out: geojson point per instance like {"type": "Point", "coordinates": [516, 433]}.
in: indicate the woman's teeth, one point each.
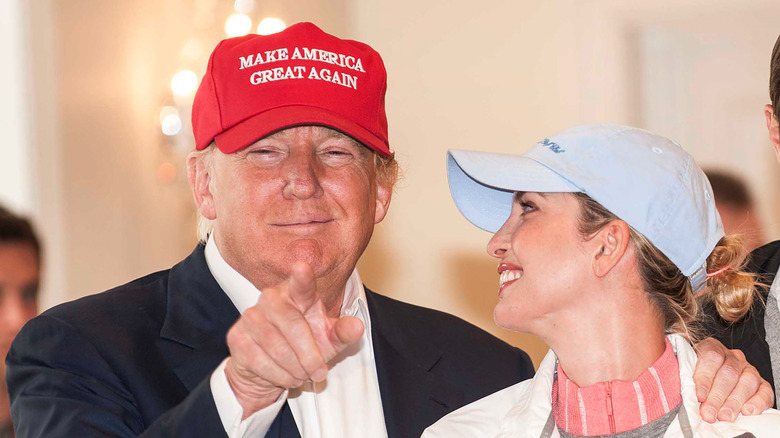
{"type": "Point", "coordinates": [507, 276]}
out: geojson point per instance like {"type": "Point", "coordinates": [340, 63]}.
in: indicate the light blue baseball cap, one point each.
{"type": "Point", "coordinates": [646, 180]}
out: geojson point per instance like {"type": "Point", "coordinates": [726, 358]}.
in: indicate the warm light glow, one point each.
{"type": "Point", "coordinates": [244, 6]}
{"type": "Point", "coordinates": [192, 50]}
{"type": "Point", "coordinates": [170, 121]}
{"type": "Point", "coordinates": [238, 25]}
{"type": "Point", "coordinates": [166, 111]}
{"type": "Point", "coordinates": [270, 25]}
{"type": "Point", "coordinates": [166, 173]}
{"type": "Point", "coordinates": [184, 83]}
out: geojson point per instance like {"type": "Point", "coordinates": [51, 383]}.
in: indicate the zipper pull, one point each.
{"type": "Point", "coordinates": [610, 413]}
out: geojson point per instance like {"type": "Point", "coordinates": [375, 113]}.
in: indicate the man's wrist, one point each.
{"type": "Point", "coordinates": [251, 396]}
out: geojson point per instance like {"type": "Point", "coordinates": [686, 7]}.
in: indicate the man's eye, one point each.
{"type": "Point", "coordinates": [265, 155]}
{"type": "Point", "coordinates": [30, 294]}
{"type": "Point", "coordinates": [338, 152]}
{"type": "Point", "coordinates": [336, 156]}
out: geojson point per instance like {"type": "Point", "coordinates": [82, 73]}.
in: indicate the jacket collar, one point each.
{"type": "Point", "coordinates": [198, 316]}
{"type": "Point", "coordinates": [413, 392]}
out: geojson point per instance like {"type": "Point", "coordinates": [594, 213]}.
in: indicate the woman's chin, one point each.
{"type": "Point", "coordinates": [510, 319]}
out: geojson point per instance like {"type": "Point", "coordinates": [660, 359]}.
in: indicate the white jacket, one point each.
{"type": "Point", "coordinates": [522, 410]}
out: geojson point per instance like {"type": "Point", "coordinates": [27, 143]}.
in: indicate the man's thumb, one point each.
{"type": "Point", "coordinates": [346, 331]}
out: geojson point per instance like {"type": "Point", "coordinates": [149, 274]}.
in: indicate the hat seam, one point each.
{"type": "Point", "coordinates": [216, 91]}
{"type": "Point", "coordinates": [663, 220]}
{"type": "Point", "coordinates": [302, 124]}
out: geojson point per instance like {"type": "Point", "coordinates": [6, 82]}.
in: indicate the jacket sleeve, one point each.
{"type": "Point", "coordinates": [61, 386]}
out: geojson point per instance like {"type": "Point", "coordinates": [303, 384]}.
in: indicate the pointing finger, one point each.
{"type": "Point", "coordinates": [302, 285]}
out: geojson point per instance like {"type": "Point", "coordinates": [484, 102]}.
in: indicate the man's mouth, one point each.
{"type": "Point", "coordinates": [302, 220]}
{"type": "Point", "coordinates": [302, 223]}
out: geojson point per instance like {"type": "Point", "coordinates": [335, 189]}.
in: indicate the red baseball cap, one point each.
{"type": "Point", "coordinates": [256, 85]}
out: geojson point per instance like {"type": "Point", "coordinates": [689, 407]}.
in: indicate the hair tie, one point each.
{"type": "Point", "coordinates": [712, 274]}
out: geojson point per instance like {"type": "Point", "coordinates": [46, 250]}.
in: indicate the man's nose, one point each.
{"type": "Point", "coordinates": [15, 312]}
{"type": "Point", "coordinates": [302, 176]}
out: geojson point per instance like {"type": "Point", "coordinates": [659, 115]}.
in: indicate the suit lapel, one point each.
{"type": "Point", "coordinates": [197, 318]}
{"type": "Point", "coordinates": [413, 395]}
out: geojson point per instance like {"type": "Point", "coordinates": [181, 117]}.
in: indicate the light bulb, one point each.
{"type": "Point", "coordinates": [270, 25]}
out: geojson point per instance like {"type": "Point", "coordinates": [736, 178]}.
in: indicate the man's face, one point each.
{"type": "Point", "coordinates": [307, 193]}
{"type": "Point", "coordinates": [19, 274]}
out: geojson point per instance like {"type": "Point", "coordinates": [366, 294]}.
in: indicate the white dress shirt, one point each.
{"type": "Point", "coordinates": [347, 404]}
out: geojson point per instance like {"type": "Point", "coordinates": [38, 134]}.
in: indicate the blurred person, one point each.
{"type": "Point", "coordinates": [20, 265]}
{"type": "Point", "coordinates": [266, 328]}
{"type": "Point", "coordinates": [736, 207]}
{"type": "Point", "coordinates": [758, 333]}
{"type": "Point", "coordinates": [604, 235]}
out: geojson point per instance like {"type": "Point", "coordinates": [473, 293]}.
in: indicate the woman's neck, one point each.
{"type": "Point", "coordinates": [614, 339]}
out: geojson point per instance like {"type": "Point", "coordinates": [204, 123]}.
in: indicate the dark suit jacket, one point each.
{"type": "Point", "coordinates": [749, 334]}
{"type": "Point", "coordinates": [136, 361]}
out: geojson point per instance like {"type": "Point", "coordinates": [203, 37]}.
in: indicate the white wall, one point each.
{"type": "Point", "coordinates": [16, 182]}
{"type": "Point", "coordinates": [501, 75]}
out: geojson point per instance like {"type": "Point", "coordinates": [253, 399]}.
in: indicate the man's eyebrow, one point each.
{"type": "Point", "coordinates": [517, 197]}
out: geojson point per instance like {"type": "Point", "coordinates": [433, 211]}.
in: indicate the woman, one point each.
{"type": "Point", "coordinates": [611, 234]}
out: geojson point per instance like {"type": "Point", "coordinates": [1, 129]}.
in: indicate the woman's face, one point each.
{"type": "Point", "coordinates": [543, 262]}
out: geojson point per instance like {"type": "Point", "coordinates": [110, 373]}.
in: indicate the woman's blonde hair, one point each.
{"type": "Point", "coordinates": [732, 291]}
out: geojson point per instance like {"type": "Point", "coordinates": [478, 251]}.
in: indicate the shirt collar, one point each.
{"type": "Point", "coordinates": [529, 417]}
{"type": "Point", "coordinates": [244, 294]}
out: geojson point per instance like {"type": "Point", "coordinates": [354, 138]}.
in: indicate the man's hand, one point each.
{"type": "Point", "coordinates": [726, 384]}
{"type": "Point", "coordinates": [284, 340]}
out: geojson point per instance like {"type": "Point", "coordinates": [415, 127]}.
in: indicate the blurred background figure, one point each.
{"type": "Point", "coordinates": [736, 207]}
{"type": "Point", "coordinates": [20, 263]}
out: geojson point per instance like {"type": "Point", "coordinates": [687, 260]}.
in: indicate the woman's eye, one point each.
{"type": "Point", "coordinates": [527, 207]}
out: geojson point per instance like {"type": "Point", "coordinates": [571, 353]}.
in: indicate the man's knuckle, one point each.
{"type": "Point", "coordinates": [729, 372]}
{"type": "Point", "coordinates": [739, 355]}
{"type": "Point", "coordinates": [712, 357]}
{"type": "Point", "coordinates": [280, 351]}
{"type": "Point", "coordinates": [750, 380]}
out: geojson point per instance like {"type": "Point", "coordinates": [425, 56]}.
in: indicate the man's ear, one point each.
{"type": "Point", "coordinates": [200, 182]}
{"type": "Point", "coordinates": [774, 129]}
{"type": "Point", "coordinates": [611, 244]}
{"type": "Point", "coordinates": [383, 196]}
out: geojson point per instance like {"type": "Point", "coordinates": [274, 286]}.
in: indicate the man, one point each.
{"type": "Point", "coordinates": [292, 171]}
{"type": "Point", "coordinates": [736, 207]}
{"type": "Point", "coordinates": [20, 265]}
{"type": "Point", "coordinates": [758, 334]}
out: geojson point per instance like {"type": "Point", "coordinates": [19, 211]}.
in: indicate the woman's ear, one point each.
{"type": "Point", "coordinates": [612, 242]}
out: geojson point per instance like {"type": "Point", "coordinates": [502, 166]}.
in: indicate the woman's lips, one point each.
{"type": "Point", "coordinates": [508, 274]}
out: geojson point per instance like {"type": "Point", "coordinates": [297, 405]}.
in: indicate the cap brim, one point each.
{"type": "Point", "coordinates": [268, 122]}
{"type": "Point", "coordinates": [482, 184]}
